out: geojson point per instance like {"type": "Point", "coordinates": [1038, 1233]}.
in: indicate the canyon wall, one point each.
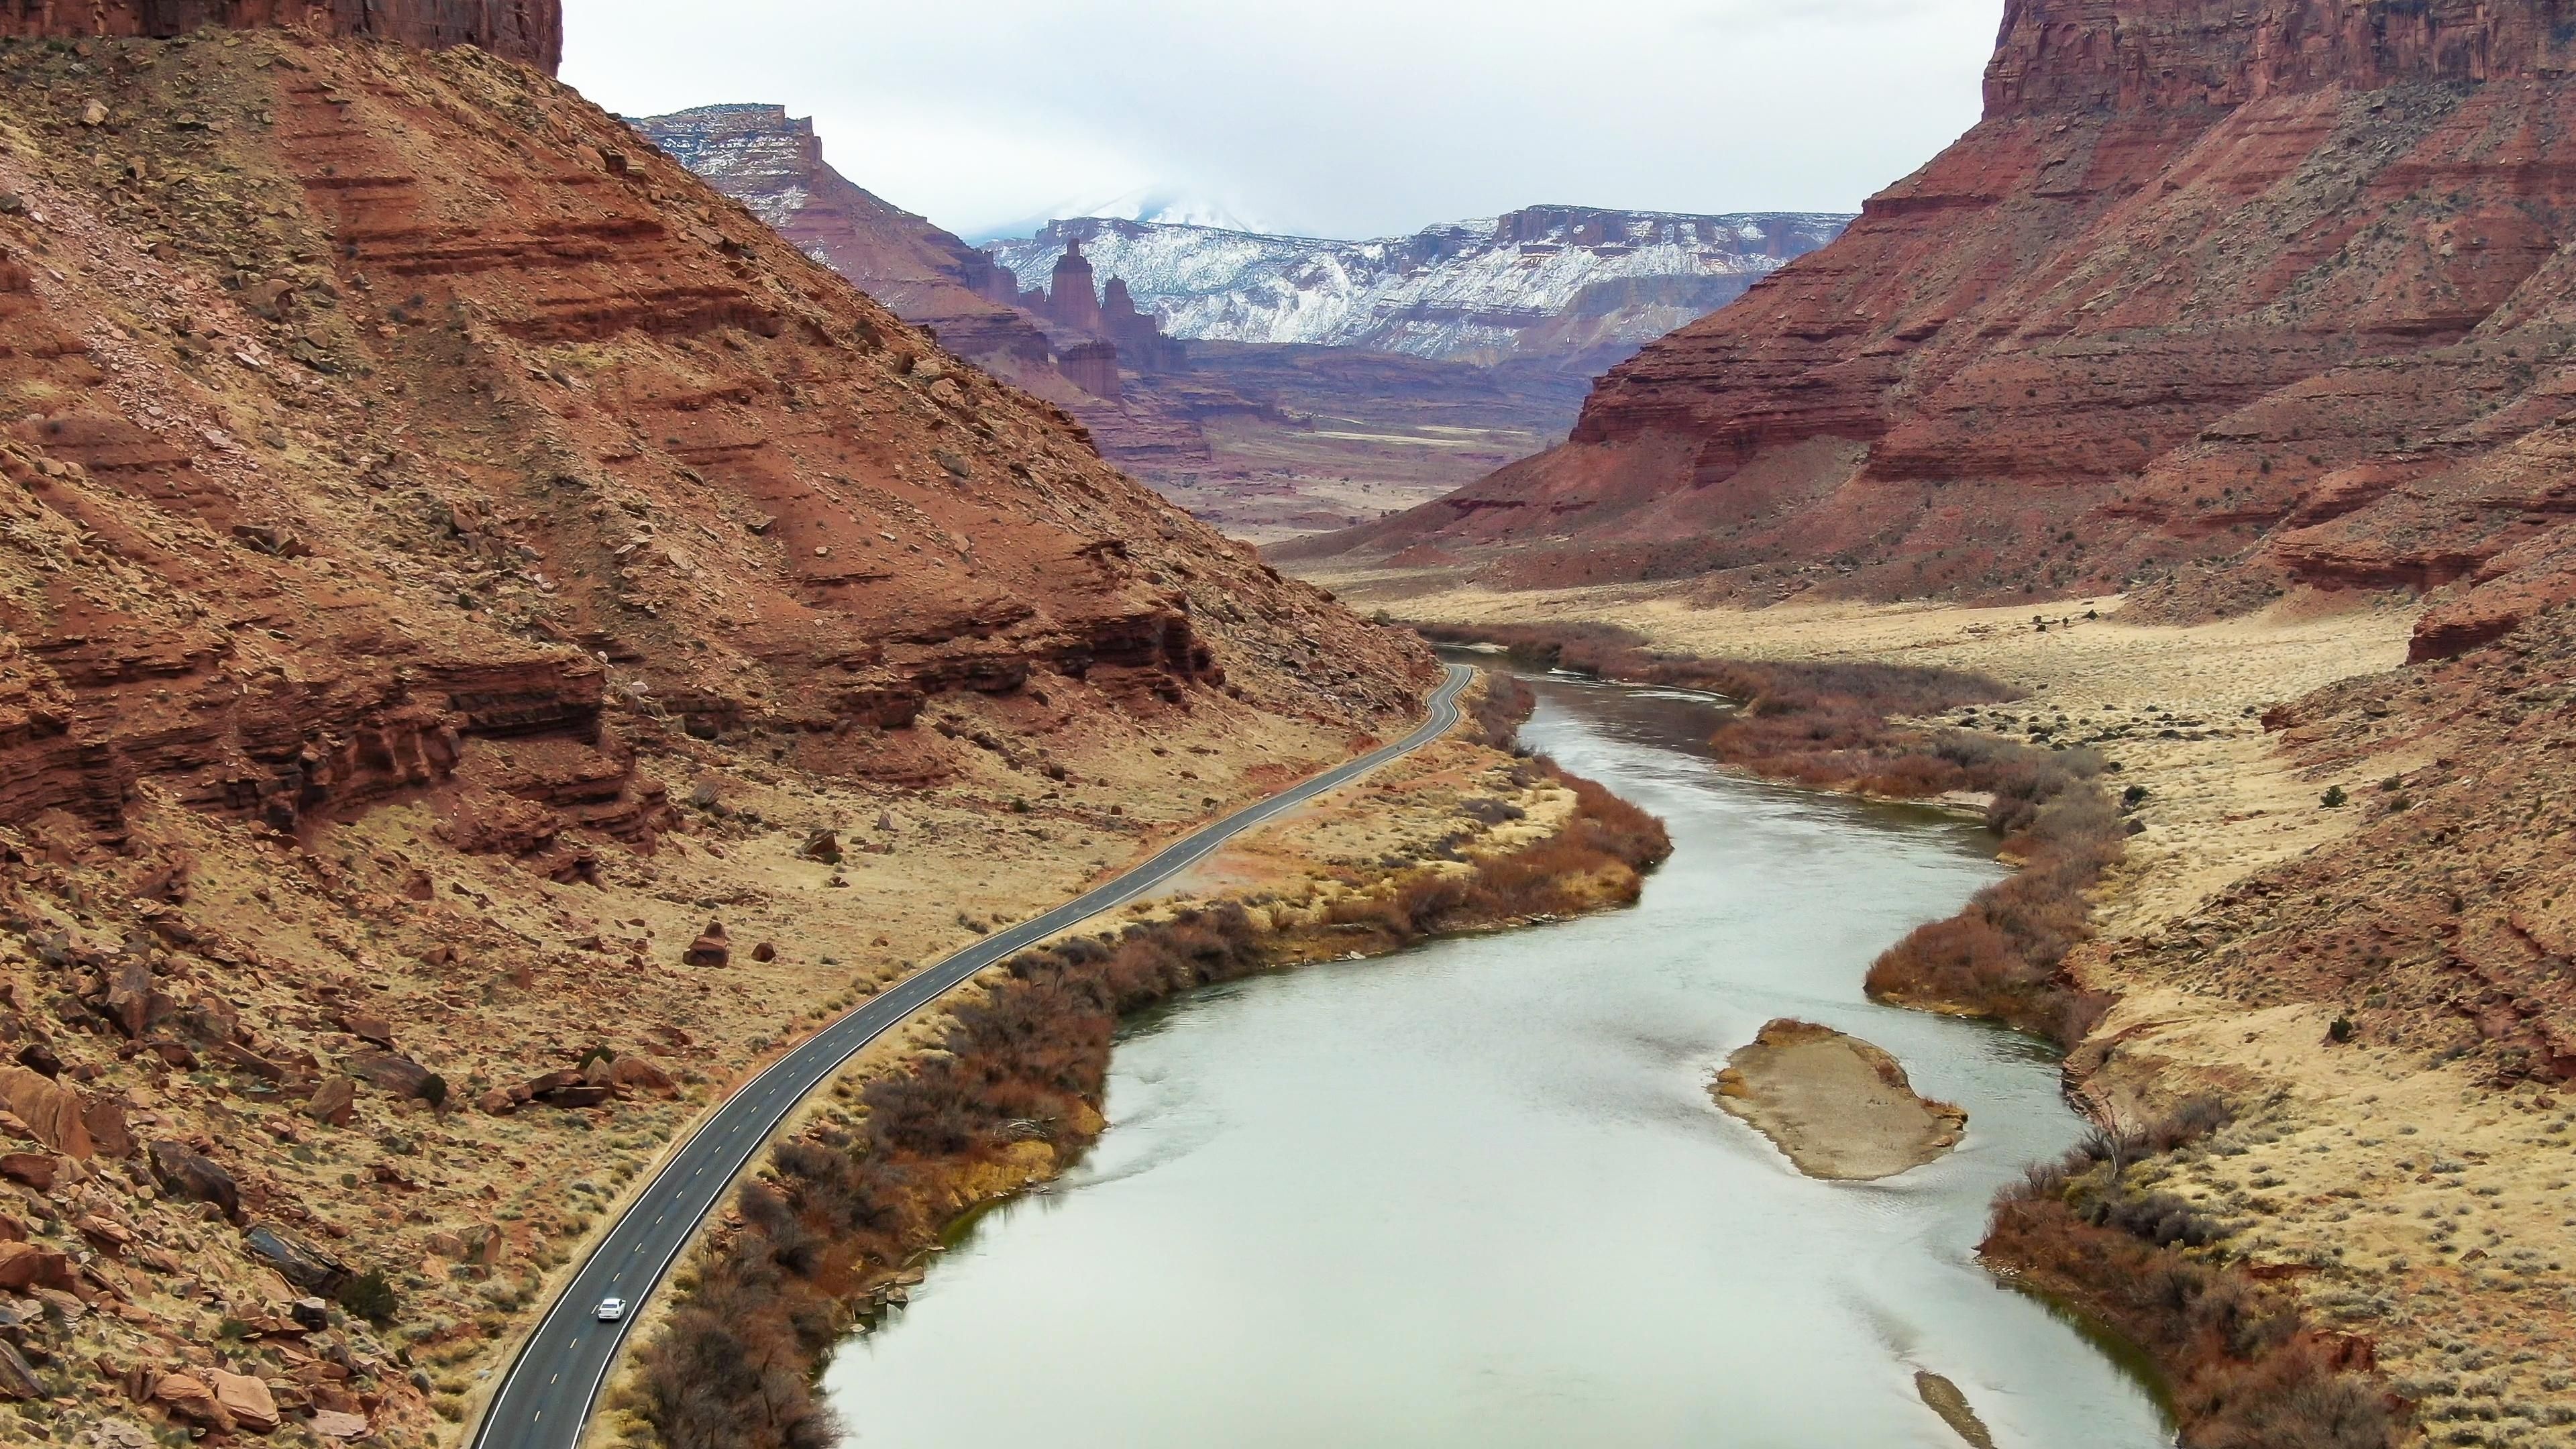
{"type": "Point", "coordinates": [454, 565]}
{"type": "Point", "coordinates": [527, 31]}
{"type": "Point", "coordinates": [406, 433]}
{"type": "Point", "coordinates": [1063, 343]}
{"type": "Point", "coordinates": [2065, 55]}
{"type": "Point", "coordinates": [773, 163]}
{"type": "Point", "coordinates": [2217, 301]}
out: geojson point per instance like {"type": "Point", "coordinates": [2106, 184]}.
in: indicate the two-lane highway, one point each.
{"type": "Point", "coordinates": [548, 1395]}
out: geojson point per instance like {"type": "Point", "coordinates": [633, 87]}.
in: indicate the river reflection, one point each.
{"type": "Point", "coordinates": [1476, 1194]}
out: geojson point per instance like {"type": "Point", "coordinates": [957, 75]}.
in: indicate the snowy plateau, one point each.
{"type": "Point", "coordinates": [1553, 282]}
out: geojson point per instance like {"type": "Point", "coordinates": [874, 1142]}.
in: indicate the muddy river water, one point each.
{"type": "Point", "coordinates": [1476, 1195]}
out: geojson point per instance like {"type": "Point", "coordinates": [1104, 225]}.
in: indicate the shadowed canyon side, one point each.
{"type": "Point", "coordinates": [2217, 300]}
{"type": "Point", "coordinates": [495, 642]}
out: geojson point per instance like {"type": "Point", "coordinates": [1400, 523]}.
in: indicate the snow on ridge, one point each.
{"type": "Point", "coordinates": [1466, 289]}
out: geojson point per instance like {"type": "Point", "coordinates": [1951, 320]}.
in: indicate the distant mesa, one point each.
{"type": "Point", "coordinates": [773, 164]}
{"type": "Point", "coordinates": [1580, 286]}
{"type": "Point", "coordinates": [1241, 397]}
{"type": "Point", "coordinates": [1093, 367]}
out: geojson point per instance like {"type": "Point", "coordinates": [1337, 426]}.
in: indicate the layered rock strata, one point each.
{"type": "Point", "coordinates": [452, 558]}
{"type": "Point", "coordinates": [2217, 300]}
{"type": "Point", "coordinates": [527, 31]}
{"type": "Point", "coordinates": [357, 432]}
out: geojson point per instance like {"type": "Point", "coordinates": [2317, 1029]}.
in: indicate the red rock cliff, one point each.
{"type": "Point", "coordinates": [2058, 55]}
{"type": "Point", "coordinates": [355, 436]}
{"type": "Point", "coordinates": [773, 163]}
{"type": "Point", "coordinates": [2218, 300]}
{"type": "Point", "coordinates": [527, 31]}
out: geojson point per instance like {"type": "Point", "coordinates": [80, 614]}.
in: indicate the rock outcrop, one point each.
{"type": "Point", "coordinates": [1067, 344]}
{"type": "Point", "coordinates": [773, 163]}
{"type": "Point", "coordinates": [450, 555]}
{"type": "Point", "coordinates": [2217, 300]}
{"type": "Point", "coordinates": [1073, 292]}
{"type": "Point", "coordinates": [527, 31]}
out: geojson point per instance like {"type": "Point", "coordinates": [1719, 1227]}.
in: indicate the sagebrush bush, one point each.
{"type": "Point", "coordinates": [2246, 1373]}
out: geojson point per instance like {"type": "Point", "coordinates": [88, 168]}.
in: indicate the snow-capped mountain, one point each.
{"type": "Point", "coordinates": [1156, 204]}
{"type": "Point", "coordinates": [1546, 282]}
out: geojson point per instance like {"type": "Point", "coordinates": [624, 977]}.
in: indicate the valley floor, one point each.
{"type": "Point", "coordinates": [2415, 1197]}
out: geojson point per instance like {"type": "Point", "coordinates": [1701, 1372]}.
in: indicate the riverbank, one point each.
{"type": "Point", "coordinates": [2177, 717]}
{"type": "Point", "coordinates": [1347, 1204]}
{"type": "Point", "coordinates": [1858, 728]}
{"type": "Point", "coordinates": [1002, 1090]}
{"type": "Point", "coordinates": [2376, 976]}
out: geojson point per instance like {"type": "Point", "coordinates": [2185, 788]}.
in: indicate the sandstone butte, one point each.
{"type": "Point", "coordinates": [453, 558]}
{"type": "Point", "coordinates": [2218, 299]}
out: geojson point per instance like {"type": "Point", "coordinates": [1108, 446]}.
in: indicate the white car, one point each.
{"type": "Point", "coordinates": [611, 1309]}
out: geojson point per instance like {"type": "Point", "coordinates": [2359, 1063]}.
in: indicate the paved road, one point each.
{"type": "Point", "coordinates": [547, 1397]}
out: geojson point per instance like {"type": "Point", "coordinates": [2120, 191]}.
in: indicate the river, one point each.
{"type": "Point", "coordinates": [1475, 1194]}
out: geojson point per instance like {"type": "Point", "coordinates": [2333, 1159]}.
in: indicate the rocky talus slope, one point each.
{"type": "Point", "coordinates": [2218, 298]}
{"type": "Point", "coordinates": [2398, 997]}
{"type": "Point", "coordinates": [493, 640]}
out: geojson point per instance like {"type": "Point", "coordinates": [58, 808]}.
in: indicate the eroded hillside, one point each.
{"type": "Point", "coordinates": [492, 642]}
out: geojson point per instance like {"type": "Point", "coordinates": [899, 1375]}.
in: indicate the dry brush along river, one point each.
{"type": "Point", "coordinates": [1476, 1194]}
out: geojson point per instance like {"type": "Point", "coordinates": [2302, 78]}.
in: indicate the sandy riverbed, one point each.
{"type": "Point", "coordinates": [1841, 1108]}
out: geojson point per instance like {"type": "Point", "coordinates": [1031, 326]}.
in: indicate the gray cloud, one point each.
{"type": "Point", "coordinates": [1334, 117]}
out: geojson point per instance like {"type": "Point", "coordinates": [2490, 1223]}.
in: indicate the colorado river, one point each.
{"type": "Point", "coordinates": [1476, 1194]}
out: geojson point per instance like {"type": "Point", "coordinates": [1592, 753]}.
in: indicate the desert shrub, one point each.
{"type": "Point", "coordinates": [370, 1295]}
{"type": "Point", "coordinates": [1503, 708]}
{"type": "Point", "coordinates": [2247, 1374]}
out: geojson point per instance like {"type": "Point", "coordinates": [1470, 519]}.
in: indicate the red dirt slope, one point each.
{"type": "Point", "coordinates": [493, 642]}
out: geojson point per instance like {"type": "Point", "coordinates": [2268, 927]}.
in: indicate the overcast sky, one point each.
{"type": "Point", "coordinates": [1348, 118]}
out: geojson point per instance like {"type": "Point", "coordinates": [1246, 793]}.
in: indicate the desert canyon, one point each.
{"type": "Point", "coordinates": [518, 618]}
